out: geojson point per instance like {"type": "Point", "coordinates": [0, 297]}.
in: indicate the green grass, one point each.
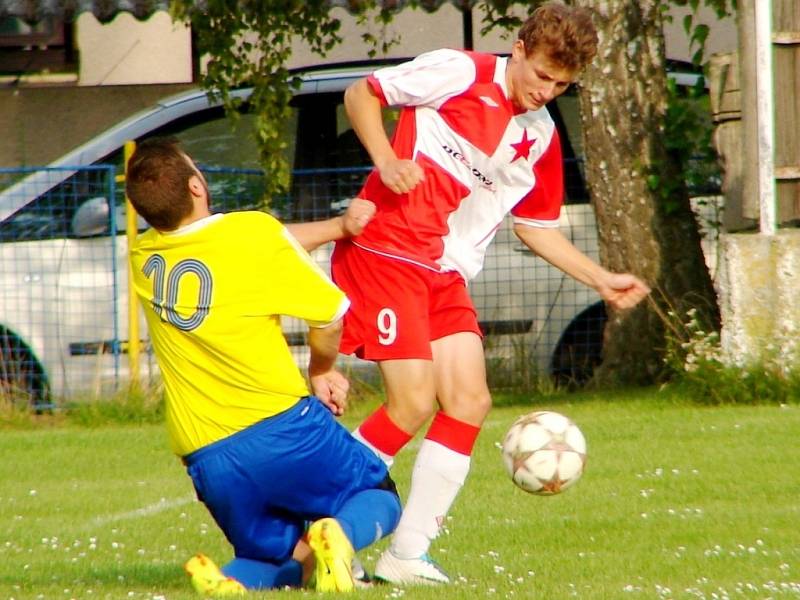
{"type": "Point", "coordinates": [678, 501]}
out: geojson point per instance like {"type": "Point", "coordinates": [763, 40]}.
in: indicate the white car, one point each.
{"type": "Point", "coordinates": [63, 282]}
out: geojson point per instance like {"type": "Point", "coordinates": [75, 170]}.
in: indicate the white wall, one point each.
{"type": "Point", "coordinates": [722, 36]}
{"type": "Point", "coordinates": [128, 51]}
{"type": "Point", "coordinates": [421, 31]}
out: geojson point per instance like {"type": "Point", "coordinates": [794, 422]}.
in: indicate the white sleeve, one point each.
{"type": "Point", "coordinates": [429, 80]}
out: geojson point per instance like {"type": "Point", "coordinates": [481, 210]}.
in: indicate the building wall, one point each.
{"type": "Point", "coordinates": [420, 30]}
{"type": "Point", "coordinates": [130, 52]}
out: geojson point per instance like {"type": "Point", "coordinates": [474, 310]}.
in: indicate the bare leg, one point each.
{"type": "Point", "coordinates": [443, 461]}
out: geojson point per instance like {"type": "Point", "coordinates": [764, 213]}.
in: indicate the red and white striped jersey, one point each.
{"type": "Point", "coordinates": [482, 158]}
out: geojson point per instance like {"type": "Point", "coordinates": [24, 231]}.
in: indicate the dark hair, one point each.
{"type": "Point", "coordinates": [565, 34]}
{"type": "Point", "coordinates": [157, 182]}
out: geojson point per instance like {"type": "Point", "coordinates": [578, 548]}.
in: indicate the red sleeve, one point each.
{"type": "Point", "coordinates": [373, 82]}
{"type": "Point", "coordinates": [543, 202]}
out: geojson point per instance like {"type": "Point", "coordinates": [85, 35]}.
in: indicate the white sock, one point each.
{"type": "Point", "coordinates": [438, 475]}
{"type": "Point", "coordinates": [386, 458]}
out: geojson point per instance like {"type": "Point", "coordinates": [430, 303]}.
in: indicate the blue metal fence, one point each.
{"type": "Point", "coordinates": [63, 282]}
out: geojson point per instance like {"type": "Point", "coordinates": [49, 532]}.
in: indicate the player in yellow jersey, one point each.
{"type": "Point", "coordinates": [265, 456]}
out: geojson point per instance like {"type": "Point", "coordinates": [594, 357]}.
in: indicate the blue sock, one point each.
{"type": "Point", "coordinates": [260, 575]}
{"type": "Point", "coordinates": [368, 516]}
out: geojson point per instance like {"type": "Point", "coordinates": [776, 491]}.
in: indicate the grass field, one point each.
{"type": "Point", "coordinates": [678, 501]}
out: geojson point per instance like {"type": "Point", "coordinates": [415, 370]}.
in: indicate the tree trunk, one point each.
{"type": "Point", "coordinates": [623, 99]}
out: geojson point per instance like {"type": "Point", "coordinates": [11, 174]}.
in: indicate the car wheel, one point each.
{"type": "Point", "coordinates": [22, 379]}
{"type": "Point", "coordinates": [580, 348]}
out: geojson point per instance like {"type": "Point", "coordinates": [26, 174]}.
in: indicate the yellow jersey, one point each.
{"type": "Point", "coordinates": [212, 294]}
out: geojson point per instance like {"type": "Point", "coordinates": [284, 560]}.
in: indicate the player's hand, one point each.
{"type": "Point", "coordinates": [401, 175]}
{"type": "Point", "coordinates": [331, 388]}
{"type": "Point", "coordinates": [623, 290]}
{"type": "Point", "coordinates": [359, 213]}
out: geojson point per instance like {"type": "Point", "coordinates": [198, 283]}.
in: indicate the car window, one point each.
{"type": "Point", "coordinates": [50, 215]}
{"type": "Point", "coordinates": [565, 112]}
{"type": "Point", "coordinates": [328, 162]}
{"type": "Point", "coordinates": [568, 108]}
{"type": "Point", "coordinates": [225, 150]}
{"type": "Point", "coordinates": [213, 139]}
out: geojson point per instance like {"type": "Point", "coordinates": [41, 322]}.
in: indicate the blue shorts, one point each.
{"type": "Point", "coordinates": [263, 483]}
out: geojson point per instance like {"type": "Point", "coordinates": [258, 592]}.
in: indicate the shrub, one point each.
{"type": "Point", "coordinates": [700, 370]}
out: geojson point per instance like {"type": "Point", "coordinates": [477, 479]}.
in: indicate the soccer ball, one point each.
{"type": "Point", "coordinates": [544, 452]}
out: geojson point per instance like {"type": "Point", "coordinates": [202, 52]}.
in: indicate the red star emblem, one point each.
{"type": "Point", "coordinates": [523, 147]}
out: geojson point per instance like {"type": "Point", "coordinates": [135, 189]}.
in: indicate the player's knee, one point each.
{"type": "Point", "coordinates": [418, 413]}
{"type": "Point", "coordinates": [410, 413]}
{"type": "Point", "coordinates": [483, 404]}
{"type": "Point", "coordinates": [470, 407]}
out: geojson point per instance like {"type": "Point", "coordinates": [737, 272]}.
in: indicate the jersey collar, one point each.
{"type": "Point", "coordinates": [500, 74]}
{"type": "Point", "coordinates": [195, 226]}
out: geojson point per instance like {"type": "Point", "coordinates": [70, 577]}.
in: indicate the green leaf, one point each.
{"type": "Point", "coordinates": [700, 34]}
{"type": "Point", "coordinates": [687, 24]}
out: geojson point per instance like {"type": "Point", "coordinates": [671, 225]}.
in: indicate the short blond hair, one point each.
{"type": "Point", "coordinates": [565, 34]}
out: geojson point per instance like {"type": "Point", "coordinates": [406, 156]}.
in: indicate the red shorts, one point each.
{"type": "Point", "coordinates": [398, 308]}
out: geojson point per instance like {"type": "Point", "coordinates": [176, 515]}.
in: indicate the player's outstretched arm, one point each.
{"type": "Point", "coordinates": [327, 383]}
{"type": "Point", "coordinates": [315, 233]}
{"type": "Point", "coordinates": [620, 290]}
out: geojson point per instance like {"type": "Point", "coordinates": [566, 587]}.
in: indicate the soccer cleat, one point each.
{"type": "Point", "coordinates": [404, 571]}
{"type": "Point", "coordinates": [208, 580]}
{"type": "Point", "coordinates": [334, 556]}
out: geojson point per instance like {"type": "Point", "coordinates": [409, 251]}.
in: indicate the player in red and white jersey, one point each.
{"type": "Point", "coordinates": [481, 157]}
{"type": "Point", "coordinates": [474, 142]}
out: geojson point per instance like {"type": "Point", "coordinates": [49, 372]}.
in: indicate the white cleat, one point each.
{"type": "Point", "coordinates": [405, 571]}
{"type": "Point", "coordinates": [360, 576]}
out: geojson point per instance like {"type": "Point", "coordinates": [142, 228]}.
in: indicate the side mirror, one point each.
{"type": "Point", "coordinates": [91, 218]}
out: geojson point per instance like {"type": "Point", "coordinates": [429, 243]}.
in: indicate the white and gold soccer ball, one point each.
{"type": "Point", "coordinates": [544, 452]}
